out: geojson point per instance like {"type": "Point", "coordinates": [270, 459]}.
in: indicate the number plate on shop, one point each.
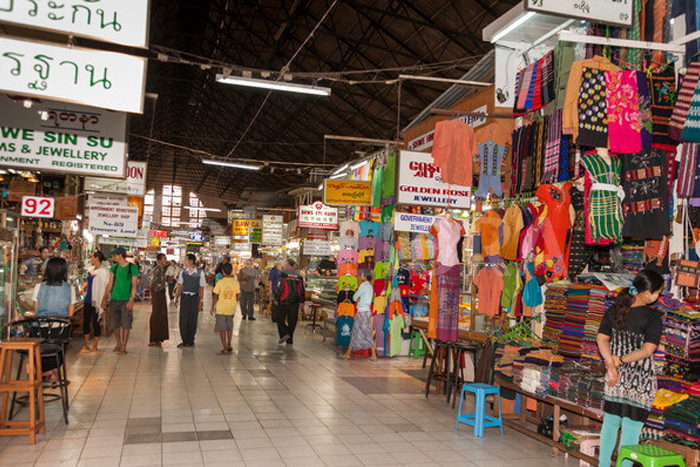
{"type": "Point", "coordinates": [33, 206]}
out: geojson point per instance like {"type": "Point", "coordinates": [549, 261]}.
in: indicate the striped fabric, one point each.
{"type": "Point", "coordinates": [604, 208]}
{"type": "Point", "coordinates": [680, 111]}
{"type": "Point", "coordinates": [691, 129]}
{"type": "Point", "coordinates": [552, 149]}
{"type": "Point", "coordinates": [687, 170]}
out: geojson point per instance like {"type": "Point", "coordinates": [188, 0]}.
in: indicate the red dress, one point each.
{"type": "Point", "coordinates": [557, 229]}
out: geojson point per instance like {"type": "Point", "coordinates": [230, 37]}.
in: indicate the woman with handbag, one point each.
{"type": "Point", "coordinates": [94, 290]}
{"type": "Point", "coordinates": [627, 339]}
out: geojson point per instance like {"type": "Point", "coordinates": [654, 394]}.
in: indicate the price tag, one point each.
{"type": "Point", "coordinates": [33, 206]}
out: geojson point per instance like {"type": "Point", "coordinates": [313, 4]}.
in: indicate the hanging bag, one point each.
{"type": "Point", "coordinates": [687, 271]}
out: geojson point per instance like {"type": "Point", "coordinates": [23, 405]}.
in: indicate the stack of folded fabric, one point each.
{"type": "Point", "coordinates": [682, 420]}
{"type": "Point", "coordinates": [632, 256]}
{"type": "Point", "coordinates": [555, 312]}
{"type": "Point", "coordinates": [682, 339]}
{"type": "Point", "coordinates": [571, 340]}
{"type": "Point", "coordinates": [654, 426]}
{"type": "Point", "coordinates": [504, 357]}
{"type": "Point", "coordinates": [596, 309]}
{"type": "Point", "coordinates": [582, 385]}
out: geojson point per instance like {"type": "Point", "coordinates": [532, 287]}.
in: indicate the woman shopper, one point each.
{"type": "Point", "coordinates": [362, 337]}
{"type": "Point", "coordinates": [158, 323]}
{"type": "Point", "coordinates": [627, 339]}
{"type": "Point", "coordinates": [54, 297]}
{"type": "Point", "coordinates": [94, 289]}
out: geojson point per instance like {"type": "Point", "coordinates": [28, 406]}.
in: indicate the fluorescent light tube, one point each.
{"type": "Point", "coordinates": [273, 85]}
{"type": "Point", "coordinates": [512, 26]}
{"type": "Point", "coordinates": [194, 208]}
{"type": "Point", "coordinates": [342, 169]}
{"type": "Point", "coordinates": [234, 165]}
{"type": "Point", "coordinates": [341, 175]}
{"type": "Point", "coordinates": [358, 165]}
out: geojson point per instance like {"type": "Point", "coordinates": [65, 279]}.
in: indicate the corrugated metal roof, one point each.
{"type": "Point", "coordinates": [482, 71]}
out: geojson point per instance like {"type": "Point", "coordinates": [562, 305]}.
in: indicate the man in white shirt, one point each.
{"type": "Point", "coordinates": [190, 286]}
{"type": "Point", "coordinates": [171, 276]}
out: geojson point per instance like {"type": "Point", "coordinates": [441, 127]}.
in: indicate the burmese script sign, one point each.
{"type": "Point", "coordinates": [119, 21]}
{"type": "Point", "coordinates": [317, 216]}
{"type": "Point", "coordinates": [120, 221]}
{"type": "Point", "coordinates": [273, 227]}
{"type": "Point", "coordinates": [420, 184]}
{"type": "Point", "coordinates": [241, 227]}
{"type": "Point", "coordinates": [347, 192]}
{"type": "Point", "coordinates": [107, 80]}
{"type": "Point", "coordinates": [59, 137]}
{"type": "Point", "coordinates": [617, 12]}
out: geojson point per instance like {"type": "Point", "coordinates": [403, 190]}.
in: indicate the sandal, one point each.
{"type": "Point", "coordinates": [372, 359]}
{"type": "Point", "coordinates": [224, 352]}
{"type": "Point", "coordinates": [121, 352]}
{"type": "Point", "coordinates": [230, 349]}
{"type": "Point", "coordinates": [343, 357]}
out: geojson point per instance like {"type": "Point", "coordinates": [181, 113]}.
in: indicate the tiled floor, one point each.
{"type": "Point", "coordinates": [265, 405]}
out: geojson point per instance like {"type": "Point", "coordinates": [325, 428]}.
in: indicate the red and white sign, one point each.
{"type": "Point", "coordinates": [33, 206]}
{"type": "Point", "coordinates": [318, 216]}
{"type": "Point", "coordinates": [159, 233]}
{"type": "Point", "coordinates": [420, 184]}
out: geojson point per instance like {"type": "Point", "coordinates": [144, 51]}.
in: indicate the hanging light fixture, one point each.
{"type": "Point", "coordinates": [233, 165]}
{"type": "Point", "coordinates": [273, 85]}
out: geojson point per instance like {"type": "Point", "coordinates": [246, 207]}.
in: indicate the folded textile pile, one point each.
{"type": "Point", "coordinates": [555, 312]}
{"type": "Point", "coordinates": [504, 357]}
{"type": "Point", "coordinates": [682, 345]}
{"type": "Point", "coordinates": [582, 385]}
{"type": "Point", "coordinates": [632, 256]}
{"type": "Point", "coordinates": [655, 424]}
{"type": "Point", "coordinates": [600, 301]}
{"type": "Point", "coordinates": [577, 303]}
{"type": "Point", "coordinates": [682, 420]}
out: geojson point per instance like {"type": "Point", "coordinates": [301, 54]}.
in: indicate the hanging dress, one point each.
{"type": "Point", "coordinates": [579, 253]}
{"type": "Point", "coordinates": [447, 275]}
{"type": "Point", "coordinates": [646, 202]}
{"type": "Point", "coordinates": [557, 230]}
{"type": "Point", "coordinates": [592, 109]}
{"type": "Point", "coordinates": [604, 203]}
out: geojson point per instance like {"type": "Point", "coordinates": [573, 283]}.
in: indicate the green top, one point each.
{"type": "Point", "coordinates": [390, 177]}
{"type": "Point", "coordinates": [377, 186]}
{"type": "Point", "coordinates": [122, 280]}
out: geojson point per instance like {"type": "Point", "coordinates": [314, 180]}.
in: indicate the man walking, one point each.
{"type": "Point", "coordinates": [191, 285]}
{"type": "Point", "coordinates": [247, 279]}
{"type": "Point", "coordinates": [121, 288]}
{"type": "Point", "coordinates": [171, 275]}
{"type": "Point", "coordinates": [290, 295]}
{"type": "Point", "coordinates": [273, 280]}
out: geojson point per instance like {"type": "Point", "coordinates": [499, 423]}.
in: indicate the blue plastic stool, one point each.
{"type": "Point", "coordinates": [479, 420]}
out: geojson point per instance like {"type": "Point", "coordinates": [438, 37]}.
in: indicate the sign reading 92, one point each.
{"type": "Point", "coordinates": [34, 206]}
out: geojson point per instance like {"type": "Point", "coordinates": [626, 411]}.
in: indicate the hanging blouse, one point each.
{"type": "Point", "coordinates": [454, 146]}
{"type": "Point", "coordinates": [624, 119]}
{"type": "Point", "coordinates": [645, 206]}
{"type": "Point", "coordinates": [448, 233]}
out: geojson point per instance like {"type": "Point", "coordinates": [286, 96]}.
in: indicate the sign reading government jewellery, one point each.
{"type": "Point", "coordinates": [420, 184]}
{"type": "Point", "coordinates": [134, 185]}
{"type": "Point", "coordinates": [618, 12]}
{"type": "Point", "coordinates": [107, 80]}
{"type": "Point", "coordinates": [119, 21]}
{"type": "Point", "coordinates": [60, 137]}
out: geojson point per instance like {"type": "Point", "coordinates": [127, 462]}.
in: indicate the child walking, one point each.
{"type": "Point", "coordinates": [226, 295]}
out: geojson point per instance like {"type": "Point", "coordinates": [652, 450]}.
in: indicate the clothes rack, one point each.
{"type": "Point", "coordinates": [436, 111]}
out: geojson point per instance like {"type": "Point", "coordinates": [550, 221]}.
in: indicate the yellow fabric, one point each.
{"type": "Point", "coordinates": [379, 305]}
{"type": "Point", "coordinates": [573, 86]}
{"type": "Point", "coordinates": [227, 289]}
{"type": "Point", "coordinates": [666, 398]}
{"type": "Point", "coordinates": [346, 309]}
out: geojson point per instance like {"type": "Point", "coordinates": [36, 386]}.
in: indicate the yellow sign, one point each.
{"type": "Point", "coordinates": [347, 192]}
{"type": "Point", "coordinates": [240, 227]}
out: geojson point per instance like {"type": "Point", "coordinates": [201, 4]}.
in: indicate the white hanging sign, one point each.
{"type": "Point", "coordinates": [118, 221]}
{"type": "Point", "coordinates": [106, 201]}
{"type": "Point", "coordinates": [617, 12]}
{"type": "Point", "coordinates": [420, 184]}
{"type": "Point", "coordinates": [134, 185]}
{"type": "Point", "coordinates": [415, 223]}
{"type": "Point", "coordinates": [118, 21]}
{"type": "Point", "coordinates": [108, 80]}
{"type": "Point", "coordinates": [317, 248]}
{"type": "Point", "coordinates": [57, 137]}
{"type": "Point", "coordinates": [272, 230]}
{"type": "Point", "coordinates": [318, 216]}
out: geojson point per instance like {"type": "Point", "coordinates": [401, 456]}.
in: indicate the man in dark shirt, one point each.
{"type": "Point", "coordinates": [248, 278]}
{"type": "Point", "coordinates": [289, 298]}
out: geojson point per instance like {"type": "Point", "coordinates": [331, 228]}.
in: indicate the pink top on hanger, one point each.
{"type": "Point", "coordinates": [448, 234]}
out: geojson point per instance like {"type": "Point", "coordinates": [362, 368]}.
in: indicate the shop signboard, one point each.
{"type": "Point", "coordinates": [159, 233]}
{"type": "Point", "coordinates": [133, 185]}
{"type": "Point", "coordinates": [347, 192]}
{"type": "Point", "coordinates": [58, 137]}
{"type": "Point", "coordinates": [122, 22]}
{"type": "Point", "coordinates": [317, 216]}
{"type": "Point", "coordinates": [35, 206]}
{"type": "Point", "coordinates": [107, 80]}
{"type": "Point", "coordinates": [106, 201]}
{"type": "Point", "coordinates": [420, 184]}
{"type": "Point", "coordinates": [425, 141]}
{"type": "Point", "coordinates": [121, 221]}
{"type": "Point", "coordinates": [241, 227]}
{"type": "Point", "coordinates": [222, 240]}
{"type": "Point", "coordinates": [193, 247]}
{"type": "Point", "coordinates": [317, 248]}
{"type": "Point", "coordinates": [415, 223]}
{"type": "Point", "coordinates": [127, 242]}
{"type": "Point", "coordinates": [243, 246]}
{"type": "Point", "coordinates": [155, 242]}
{"type": "Point", "coordinates": [616, 12]}
{"type": "Point", "coordinates": [272, 230]}
{"type": "Point", "coordinates": [255, 235]}
{"type": "Point", "coordinates": [196, 236]}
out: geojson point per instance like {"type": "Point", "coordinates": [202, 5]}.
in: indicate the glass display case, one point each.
{"type": "Point", "coordinates": [9, 245]}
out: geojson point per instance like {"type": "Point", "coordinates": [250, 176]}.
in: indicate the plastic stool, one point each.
{"type": "Point", "coordinates": [417, 346]}
{"type": "Point", "coordinates": [479, 420]}
{"type": "Point", "coordinates": [366, 353]}
{"type": "Point", "coordinates": [650, 456]}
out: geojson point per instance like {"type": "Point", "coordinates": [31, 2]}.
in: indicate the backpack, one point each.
{"type": "Point", "coordinates": [291, 289]}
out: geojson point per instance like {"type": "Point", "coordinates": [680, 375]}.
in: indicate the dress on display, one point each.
{"type": "Point", "coordinates": [624, 117]}
{"type": "Point", "coordinates": [580, 253]}
{"type": "Point", "coordinates": [646, 195]}
{"type": "Point", "coordinates": [592, 109]}
{"type": "Point", "coordinates": [490, 283]}
{"type": "Point", "coordinates": [448, 233]}
{"type": "Point", "coordinates": [556, 231]}
{"type": "Point", "coordinates": [512, 226]}
{"type": "Point", "coordinates": [454, 146]}
{"type": "Point", "coordinates": [492, 155]}
{"type": "Point", "coordinates": [604, 207]}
